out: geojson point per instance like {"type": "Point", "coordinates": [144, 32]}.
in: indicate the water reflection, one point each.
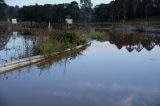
{"type": "Point", "coordinates": [102, 78]}
{"type": "Point", "coordinates": [62, 59]}
{"type": "Point", "coordinates": [15, 46]}
{"type": "Point", "coordinates": [107, 77]}
{"type": "Point", "coordinates": [134, 41]}
{"type": "Point", "coordinates": [3, 41]}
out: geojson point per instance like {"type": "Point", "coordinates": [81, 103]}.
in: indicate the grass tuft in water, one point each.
{"type": "Point", "coordinates": [100, 36]}
{"type": "Point", "coordinates": [60, 41]}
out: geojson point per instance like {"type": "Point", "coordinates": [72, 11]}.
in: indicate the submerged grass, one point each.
{"type": "Point", "coordinates": [60, 41]}
{"type": "Point", "coordinates": [100, 36]}
{"type": "Point", "coordinates": [74, 38]}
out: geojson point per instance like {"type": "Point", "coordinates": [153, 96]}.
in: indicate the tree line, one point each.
{"type": "Point", "coordinates": [127, 9]}
{"type": "Point", "coordinates": [114, 11]}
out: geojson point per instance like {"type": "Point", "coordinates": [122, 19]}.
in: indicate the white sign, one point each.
{"type": "Point", "coordinates": [69, 21]}
{"type": "Point", "coordinates": [14, 21]}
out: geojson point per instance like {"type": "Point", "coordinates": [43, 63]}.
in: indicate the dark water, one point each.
{"type": "Point", "coordinates": [121, 71]}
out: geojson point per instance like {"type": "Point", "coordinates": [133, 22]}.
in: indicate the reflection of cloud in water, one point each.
{"type": "Point", "coordinates": [125, 102]}
{"type": "Point", "coordinates": [107, 94]}
{"type": "Point", "coordinates": [58, 93]}
{"type": "Point", "coordinates": [120, 87]}
{"type": "Point", "coordinates": [121, 95]}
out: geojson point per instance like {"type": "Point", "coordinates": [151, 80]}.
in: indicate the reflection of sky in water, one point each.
{"type": "Point", "coordinates": [16, 47]}
{"type": "Point", "coordinates": [102, 76]}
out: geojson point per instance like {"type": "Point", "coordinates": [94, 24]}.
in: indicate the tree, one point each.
{"type": "Point", "coordinates": [86, 9]}
{"type": "Point", "coordinates": [47, 10]}
{"type": "Point", "coordinates": [123, 9]}
{"type": "Point", "coordinates": [112, 8]}
{"type": "Point", "coordinates": [101, 12]}
{"type": "Point", "coordinates": [86, 3]}
{"type": "Point", "coordinates": [117, 9]}
{"type": "Point", "coordinates": [2, 9]}
{"type": "Point", "coordinates": [61, 13]}
{"type": "Point", "coordinates": [13, 12]}
{"type": "Point", "coordinates": [73, 10]}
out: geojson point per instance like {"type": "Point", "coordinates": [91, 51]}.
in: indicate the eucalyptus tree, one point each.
{"type": "Point", "coordinates": [48, 12]}
{"type": "Point", "coordinates": [123, 10]}
{"type": "Point", "coordinates": [86, 9]}
{"type": "Point", "coordinates": [101, 12]}
{"type": "Point", "coordinates": [12, 12]}
{"type": "Point", "coordinates": [73, 10]}
{"type": "Point", "coordinates": [86, 4]}
{"type": "Point", "coordinates": [2, 9]}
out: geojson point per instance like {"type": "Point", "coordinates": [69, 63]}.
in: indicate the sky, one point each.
{"type": "Point", "coordinates": [32, 2]}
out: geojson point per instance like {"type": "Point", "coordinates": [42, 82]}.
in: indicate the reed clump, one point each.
{"type": "Point", "coordinates": [100, 36]}
{"type": "Point", "coordinates": [60, 41]}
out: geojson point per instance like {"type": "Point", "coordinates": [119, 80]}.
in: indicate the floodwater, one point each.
{"type": "Point", "coordinates": [16, 46]}
{"type": "Point", "coordinates": [123, 70]}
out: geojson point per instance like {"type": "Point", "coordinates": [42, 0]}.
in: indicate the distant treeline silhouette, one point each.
{"type": "Point", "coordinates": [114, 11]}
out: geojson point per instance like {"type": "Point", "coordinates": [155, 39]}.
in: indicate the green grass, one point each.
{"type": "Point", "coordinates": [60, 41]}
{"type": "Point", "coordinates": [100, 36]}
{"type": "Point", "coordinates": [49, 47]}
{"type": "Point", "coordinates": [74, 38]}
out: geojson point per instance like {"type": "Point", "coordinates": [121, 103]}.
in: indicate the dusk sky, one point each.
{"type": "Point", "coordinates": [32, 2]}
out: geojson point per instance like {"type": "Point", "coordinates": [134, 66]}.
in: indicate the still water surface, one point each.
{"type": "Point", "coordinates": [115, 72]}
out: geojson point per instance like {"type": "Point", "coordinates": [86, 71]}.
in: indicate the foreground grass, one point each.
{"type": "Point", "coordinates": [60, 41]}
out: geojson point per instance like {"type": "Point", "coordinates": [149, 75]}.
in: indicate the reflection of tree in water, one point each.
{"type": "Point", "coordinates": [62, 59]}
{"type": "Point", "coordinates": [29, 45]}
{"type": "Point", "coordinates": [134, 41]}
{"type": "Point", "coordinates": [16, 46]}
{"type": "Point", "coordinates": [3, 41]}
